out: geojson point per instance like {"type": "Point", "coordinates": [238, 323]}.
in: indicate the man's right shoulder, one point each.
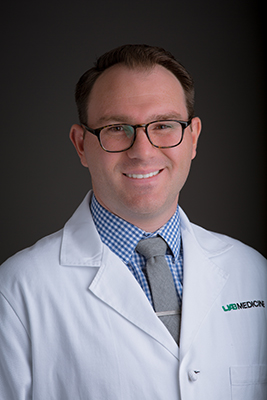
{"type": "Point", "coordinates": [31, 259]}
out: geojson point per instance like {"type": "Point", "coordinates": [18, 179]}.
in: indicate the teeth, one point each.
{"type": "Point", "coordinates": [140, 176]}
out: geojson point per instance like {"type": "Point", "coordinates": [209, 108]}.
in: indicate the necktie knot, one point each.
{"type": "Point", "coordinates": [152, 247]}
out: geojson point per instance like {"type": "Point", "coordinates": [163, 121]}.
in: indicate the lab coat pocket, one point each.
{"type": "Point", "coordinates": [249, 382]}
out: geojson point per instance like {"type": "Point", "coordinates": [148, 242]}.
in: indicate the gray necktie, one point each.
{"type": "Point", "coordinates": [161, 283]}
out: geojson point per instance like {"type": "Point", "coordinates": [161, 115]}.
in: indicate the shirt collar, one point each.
{"type": "Point", "coordinates": [122, 237]}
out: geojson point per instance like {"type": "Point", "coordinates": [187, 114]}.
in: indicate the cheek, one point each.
{"type": "Point", "coordinates": [180, 163]}
{"type": "Point", "coordinates": [100, 164]}
{"type": "Point", "coordinates": [180, 156]}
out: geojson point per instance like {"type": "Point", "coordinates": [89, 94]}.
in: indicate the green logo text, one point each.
{"type": "Point", "coordinates": [244, 305]}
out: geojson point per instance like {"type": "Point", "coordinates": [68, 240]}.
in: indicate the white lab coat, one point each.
{"type": "Point", "coordinates": [75, 324]}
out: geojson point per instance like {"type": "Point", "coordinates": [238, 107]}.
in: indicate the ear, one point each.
{"type": "Point", "coordinates": [77, 138]}
{"type": "Point", "coordinates": [195, 132]}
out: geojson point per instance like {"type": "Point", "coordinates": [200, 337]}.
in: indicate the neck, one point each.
{"type": "Point", "coordinates": [148, 222]}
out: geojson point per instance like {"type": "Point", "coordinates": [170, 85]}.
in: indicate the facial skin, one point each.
{"type": "Point", "coordinates": [137, 96]}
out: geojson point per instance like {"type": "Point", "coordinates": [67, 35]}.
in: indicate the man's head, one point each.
{"type": "Point", "coordinates": [133, 57]}
{"type": "Point", "coordinates": [142, 183]}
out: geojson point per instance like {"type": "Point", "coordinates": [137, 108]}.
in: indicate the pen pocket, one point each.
{"type": "Point", "coordinates": [248, 382]}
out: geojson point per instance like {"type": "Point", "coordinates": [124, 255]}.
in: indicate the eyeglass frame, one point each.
{"type": "Point", "coordinates": [96, 132]}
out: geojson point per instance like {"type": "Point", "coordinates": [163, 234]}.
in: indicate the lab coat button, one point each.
{"type": "Point", "coordinates": [193, 375]}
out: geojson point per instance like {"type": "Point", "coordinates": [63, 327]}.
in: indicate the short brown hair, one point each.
{"type": "Point", "coordinates": [133, 56]}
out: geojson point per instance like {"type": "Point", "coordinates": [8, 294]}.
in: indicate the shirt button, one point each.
{"type": "Point", "coordinates": [193, 375]}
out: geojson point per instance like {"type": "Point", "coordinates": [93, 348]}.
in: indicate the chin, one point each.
{"type": "Point", "coordinates": [145, 208]}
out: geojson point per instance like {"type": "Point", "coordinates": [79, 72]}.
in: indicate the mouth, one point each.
{"type": "Point", "coordinates": [143, 176]}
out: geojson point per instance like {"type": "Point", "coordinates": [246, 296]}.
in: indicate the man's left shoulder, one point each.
{"type": "Point", "coordinates": [231, 249]}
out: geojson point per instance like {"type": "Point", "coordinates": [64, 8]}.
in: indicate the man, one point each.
{"type": "Point", "coordinates": [80, 315]}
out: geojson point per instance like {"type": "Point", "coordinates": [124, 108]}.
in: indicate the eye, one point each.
{"type": "Point", "coordinates": [161, 126]}
{"type": "Point", "coordinates": [115, 128]}
{"type": "Point", "coordinates": [118, 131]}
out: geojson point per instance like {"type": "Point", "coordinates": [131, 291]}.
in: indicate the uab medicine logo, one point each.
{"type": "Point", "coordinates": [244, 305]}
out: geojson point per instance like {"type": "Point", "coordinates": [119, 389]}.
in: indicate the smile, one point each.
{"type": "Point", "coordinates": [141, 176]}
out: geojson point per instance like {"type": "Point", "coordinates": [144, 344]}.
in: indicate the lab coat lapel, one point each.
{"type": "Point", "coordinates": [202, 284]}
{"type": "Point", "coordinates": [115, 285]}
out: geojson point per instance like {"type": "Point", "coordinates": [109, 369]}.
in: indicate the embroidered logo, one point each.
{"type": "Point", "coordinates": [244, 305]}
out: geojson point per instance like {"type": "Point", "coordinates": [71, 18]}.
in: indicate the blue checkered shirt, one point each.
{"type": "Point", "coordinates": [122, 238]}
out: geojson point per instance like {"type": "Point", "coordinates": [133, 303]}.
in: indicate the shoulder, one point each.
{"type": "Point", "coordinates": [222, 247]}
{"type": "Point", "coordinates": [30, 261]}
{"type": "Point", "coordinates": [45, 253]}
{"type": "Point", "coordinates": [28, 277]}
{"type": "Point", "coordinates": [245, 266]}
{"type": "Point", "coordinates": [206, 236]}
{"type": "Point", "coordinates": [235, 247]}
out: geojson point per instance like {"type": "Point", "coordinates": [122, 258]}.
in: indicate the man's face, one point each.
{"type": "Point", "coordinates": [142, 184]}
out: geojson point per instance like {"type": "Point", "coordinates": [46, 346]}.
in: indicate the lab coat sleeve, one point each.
{"type": "Point", "coordinates": [15, 345]}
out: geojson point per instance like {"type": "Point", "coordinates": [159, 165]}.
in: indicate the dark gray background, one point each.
{"type": "Point", "coordinates": [47, 45]}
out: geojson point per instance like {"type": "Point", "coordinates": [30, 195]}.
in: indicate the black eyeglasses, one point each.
{"type": "Point", "coordinates": [121, 137]}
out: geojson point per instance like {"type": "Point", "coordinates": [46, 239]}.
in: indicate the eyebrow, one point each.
{"type": "Point", "coordinates": [114, 119]}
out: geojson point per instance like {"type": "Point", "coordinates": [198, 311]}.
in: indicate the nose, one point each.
{"type": "Point", "coordinates": [142, 148]}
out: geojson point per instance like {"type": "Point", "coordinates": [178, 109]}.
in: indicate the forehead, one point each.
{"type": "Point", "coordinates": [126, 90]}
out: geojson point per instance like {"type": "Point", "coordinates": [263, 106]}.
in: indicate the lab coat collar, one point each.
{"type": "Point", "coordinates": [209, 244]}
{"type": "Point", "coordinates": [81, 245]}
